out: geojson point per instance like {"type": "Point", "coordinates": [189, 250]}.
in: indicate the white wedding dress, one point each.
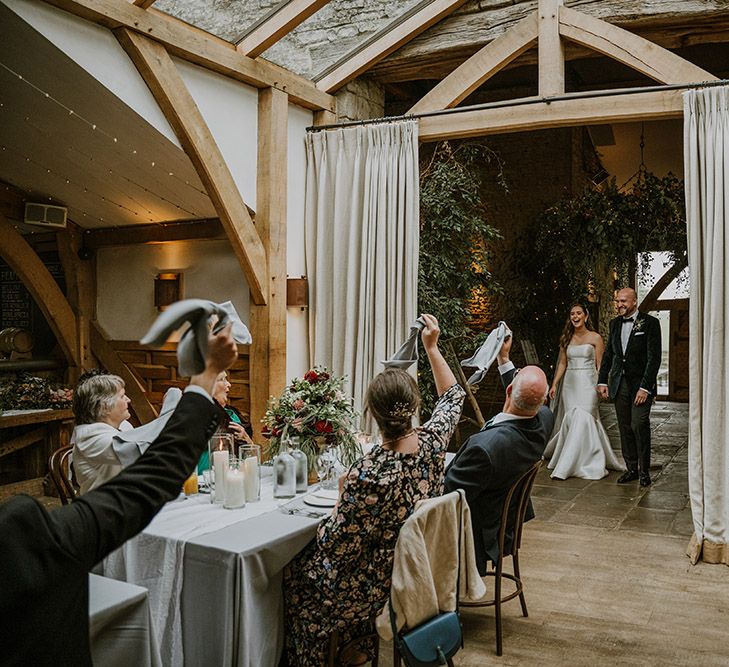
{"type": "Point", "coordinates": [579, 446]}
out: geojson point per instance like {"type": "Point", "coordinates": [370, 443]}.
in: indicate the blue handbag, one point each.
{"type": "Point", "coordinates": [438, 639]}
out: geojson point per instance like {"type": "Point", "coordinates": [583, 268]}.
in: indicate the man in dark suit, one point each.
{"type": "Point", "coordinates": [45, 556]}
{"type": "Point", "coordinates": [508, 445]}
{"type": "Point", "coordinates": [628, 376]}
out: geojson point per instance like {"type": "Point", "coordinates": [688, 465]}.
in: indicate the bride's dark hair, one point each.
{"type": "Point", "coordinates": [569, 329]}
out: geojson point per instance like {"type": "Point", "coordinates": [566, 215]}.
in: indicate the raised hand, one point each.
{"type": "Point", "coordinates": [430, 333]}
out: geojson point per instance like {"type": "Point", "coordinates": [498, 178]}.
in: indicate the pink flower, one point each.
{"type": "Point", "coordinates": [298, 404]}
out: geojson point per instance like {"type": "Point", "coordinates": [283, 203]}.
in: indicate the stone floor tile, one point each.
{"type": "Point", "coordinates": [614, 507]}
{"type": "Point", "coordinates": [683, 523]}
{"type": "Point", "coordinates": [577, 519]}
{"type": "Point", "coordinates": [646, 520]}
{"type": "Point", "coordinates": [656, 499]}
{"type": "Point", "coordinates": [556, 492]}
{"type": "Point", "coordinates": [546, 508]}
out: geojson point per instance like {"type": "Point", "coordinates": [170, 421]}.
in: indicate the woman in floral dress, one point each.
{"type": "Point", "coordinates": [341, 579]}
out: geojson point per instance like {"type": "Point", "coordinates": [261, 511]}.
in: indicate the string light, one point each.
{"type": "Point", "coordinates": [93, 126]}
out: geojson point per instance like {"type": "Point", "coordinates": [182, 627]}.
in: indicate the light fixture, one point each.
{"type": "Point", "coordinates": [167, 289]}
{"type": "Point", "coordinates": [297, 292]}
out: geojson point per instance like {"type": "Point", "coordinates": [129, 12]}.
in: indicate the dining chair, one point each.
{"type": "Point", "coordinates": [62, 474]}
{"type": "Point", "coordinates": [336, 653]}
{"type": "Point", "coordinates": [512, 520]}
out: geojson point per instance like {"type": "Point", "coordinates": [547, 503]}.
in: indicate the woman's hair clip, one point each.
{"type": "Point", "coordinates": [401, 410]}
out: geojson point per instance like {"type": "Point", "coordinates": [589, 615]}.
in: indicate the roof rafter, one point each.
{"type": "Point", "coordinates": [144, 4]}
{"type": "Point", "coordinates": [280, 21]}
{"type": "Point", "coordinates": [480, 67]}
{"type": "Point", "coordinates": [384, 42]}
{"type": "Point", "coordinates": [199, 47]}
{"type": "Point", "coordinates": [177, 104]}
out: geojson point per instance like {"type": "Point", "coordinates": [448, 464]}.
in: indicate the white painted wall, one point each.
{"type": "Point", "coordinates": [125, 281]}
{"type": "Point", "coordinates": [96, 50]}
{"type": "Point", "coordinates": [297, 320]}
{"type": "Point", "coordinates": [230, 109]}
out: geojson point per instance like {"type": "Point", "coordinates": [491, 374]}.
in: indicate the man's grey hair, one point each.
{"type": "Point", "coordinates": [94, 397]}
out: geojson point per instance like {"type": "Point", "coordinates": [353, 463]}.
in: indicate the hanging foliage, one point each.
{"type": "Point", "coordinates": [575, 249]}
{"type": "Point", "coordinates": [454, 246]}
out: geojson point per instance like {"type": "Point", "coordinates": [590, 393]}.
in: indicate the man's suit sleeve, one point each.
{"type": "Point", "coordinates": [471, 471]}
{"type": "Point", "coordinates": [607, 358]}
{"type": "Point", "coordinates": [654, 353]}
{"type": "Point", "coordinates": [103, 519]}
{"type": "Point", "coordinates": [508, 377]}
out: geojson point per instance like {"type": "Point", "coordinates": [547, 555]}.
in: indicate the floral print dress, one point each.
{"type": "Point", "coordinates": [341, 579]}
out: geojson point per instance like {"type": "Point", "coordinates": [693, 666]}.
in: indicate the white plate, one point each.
{"type": "Point", "coordinates": [328, 494]}
{"type": "Point", "coordinates": [316, 501]}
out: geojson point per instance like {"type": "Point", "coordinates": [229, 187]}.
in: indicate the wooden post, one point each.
{"type": "Point", "coordinates": [267, 361]}
{"type": "Point", "coordinates": [551, 52]}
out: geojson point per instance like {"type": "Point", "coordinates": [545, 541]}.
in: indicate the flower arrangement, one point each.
{"type": "Point", "coordinates": [316, 410]}
{"type": "Point", "coordinates": [27, 392]}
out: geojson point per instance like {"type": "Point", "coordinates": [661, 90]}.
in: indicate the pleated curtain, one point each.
{"type": "Point", "coordinates": [706, 166]}
{"type": "Point", "coordinates": [362, 239]}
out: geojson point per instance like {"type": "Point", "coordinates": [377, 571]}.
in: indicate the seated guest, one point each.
{"type": "Point", "coordinates": [45, 556]}
{"type": "Point", "coordinates": [341, 579]}
{"type": "Point", "coordinates": [236, 423]}
{"type": "Point", "coordinates": [490, 461]}
{"type": "Point", "coordinates": [101, 408]}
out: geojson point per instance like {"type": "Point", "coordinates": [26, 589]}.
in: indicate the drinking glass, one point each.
{"type": "Point", "coordinates": [220, 450]}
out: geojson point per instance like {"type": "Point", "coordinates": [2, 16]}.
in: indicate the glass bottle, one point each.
{"type": "Point", "coordinates": [302, 466]}
{"type": "Point", "coordinates": [284, 473]}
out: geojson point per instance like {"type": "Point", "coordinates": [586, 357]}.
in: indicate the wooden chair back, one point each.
{"type": "Point", "coordinates": [62, 474]}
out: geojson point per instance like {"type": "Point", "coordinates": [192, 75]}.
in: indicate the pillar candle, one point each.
{"type": "Point", "coordinates": [220, 466]}
{"type": "Point", "coordinates": [252, 477]}
{"type": "Point", "coordinates": [235, 489]}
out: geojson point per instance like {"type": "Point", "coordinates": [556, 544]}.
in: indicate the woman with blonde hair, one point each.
{"type": "Point", "coordinates": [341, 580]}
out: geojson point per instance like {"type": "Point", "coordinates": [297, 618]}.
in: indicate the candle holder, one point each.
{"type": "Point", "coordinates": [220, 450]}
{"type": "Point", "coordinates": [235, 488]}
{"type": "Point", "coordinates": [250, 465]}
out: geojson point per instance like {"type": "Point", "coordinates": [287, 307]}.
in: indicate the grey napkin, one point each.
{"type": "Point", "coordinates": [407, 355]}
{"type": "Point", "coordinates": [130, 445]}
{"type": "Point", "coordinates": [487, 353]}
{"type": "Point", "coordinates": [193, 344]}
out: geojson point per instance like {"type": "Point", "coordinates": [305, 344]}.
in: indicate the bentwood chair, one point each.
{"type": "Point", "coordinates": [62, 474]}
{"type": "Point", "coordinates": [512, 522]}
{"type": "Point", "coordinates": [336, 652]}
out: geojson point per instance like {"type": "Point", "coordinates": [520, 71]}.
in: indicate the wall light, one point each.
{"type": "Point", "coordinates": [167, 289]}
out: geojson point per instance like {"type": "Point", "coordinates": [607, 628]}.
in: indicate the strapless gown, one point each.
{"type": "Point", "coordinates": [579, 446]}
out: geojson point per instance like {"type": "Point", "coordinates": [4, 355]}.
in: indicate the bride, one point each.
{"type": "Point", "coordinates": [579, 446]}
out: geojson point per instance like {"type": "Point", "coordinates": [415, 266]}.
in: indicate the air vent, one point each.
{"type": "Point", "coordinates": [45, 215]}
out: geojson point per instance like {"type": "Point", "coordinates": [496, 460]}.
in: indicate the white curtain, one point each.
{"type": "Point", "coordinates": [706, 167]}
{"type": "Point", "coordinates": [362, 239]}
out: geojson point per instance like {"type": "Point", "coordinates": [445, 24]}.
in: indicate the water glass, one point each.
{"type": "Point", "coordinates": [220, 450]}
{"type": "Point", "coordinates": [250, 464]}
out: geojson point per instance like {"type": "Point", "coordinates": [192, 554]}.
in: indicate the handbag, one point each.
{"type": "Point", "coordinates": [438, 639]}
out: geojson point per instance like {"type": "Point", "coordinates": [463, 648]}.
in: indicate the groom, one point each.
{"type": "Point", "coordinates": [628, 376]}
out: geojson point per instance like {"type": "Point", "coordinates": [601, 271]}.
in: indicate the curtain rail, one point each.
{"type": "Point", "coordinates": [521, 102]}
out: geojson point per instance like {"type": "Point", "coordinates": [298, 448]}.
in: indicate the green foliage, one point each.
{"type": "Point", "coordinates": [454, 250]}
{"type": "Point", "coordinates": [572, 249]}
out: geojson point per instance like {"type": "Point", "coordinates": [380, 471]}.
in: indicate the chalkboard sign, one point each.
{"type": "Point", "coordinates": [18, 308]}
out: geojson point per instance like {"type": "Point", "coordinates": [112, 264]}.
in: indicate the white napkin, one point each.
{"type": "Point", "coordinates": [487, 353]}
{"type": "Point", "coordinates": [407, 355]}
{"type": "Point", "coordinates": [193, 344]}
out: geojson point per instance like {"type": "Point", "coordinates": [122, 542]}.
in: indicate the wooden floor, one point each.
{"type": "Point", "coordinates": [599, 597]}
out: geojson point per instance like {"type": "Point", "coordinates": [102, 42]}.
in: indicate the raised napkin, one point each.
{"type": "Point", "coordinates": [407, 354]}
{"type": "Point", "coordinates": [487, 353]}
{"type": "Point", "coordinates": [193, 344]}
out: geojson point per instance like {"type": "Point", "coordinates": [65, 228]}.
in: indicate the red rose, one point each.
{"type": "Point", "coordinates": [323, 377]}
{"type": "Point", "coordinates": [323, 427]}
{"type": "Point", "coordinates": [312, 377]}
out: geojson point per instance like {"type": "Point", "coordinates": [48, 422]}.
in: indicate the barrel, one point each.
{"type": "Point", "coordinates": [13, 339]}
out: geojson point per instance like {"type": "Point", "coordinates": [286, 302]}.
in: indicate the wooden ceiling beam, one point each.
{"type": "Point", "coordinates": [144, 4]}
{"type": "Point", "coordinates": [187, 230]}
{"type": "Point", "coordinates": [282, 19]}
{"type": "Point", "coordinates": [641, 55]}
{"type": "Point", "coordinates": [384, 42]}
{"type": "Point", "coordinates": [550, 51]}
{"type": "Point", "coordinates": [539, 115]}
{"type": "Point", "coordinates": [26, 264]}
{"type": "Point", "coordinates": [169, 90]}
{"type": "Point", "coordinates": [480, 67]}
{"type": "Point", "coordinates": [199, 47]}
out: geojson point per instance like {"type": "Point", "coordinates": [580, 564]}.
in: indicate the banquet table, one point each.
{"type": "Point", "coordinates": [215, 577]}
{"type": "Point", "coordinates": [120, 630]}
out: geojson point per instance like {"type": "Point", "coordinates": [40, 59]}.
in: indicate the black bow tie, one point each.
{"type": "Point", "coordinates": [625, 320]}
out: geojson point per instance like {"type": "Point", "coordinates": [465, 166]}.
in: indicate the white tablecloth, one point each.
{"type": "Point", "coordinates": [120, 630]}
